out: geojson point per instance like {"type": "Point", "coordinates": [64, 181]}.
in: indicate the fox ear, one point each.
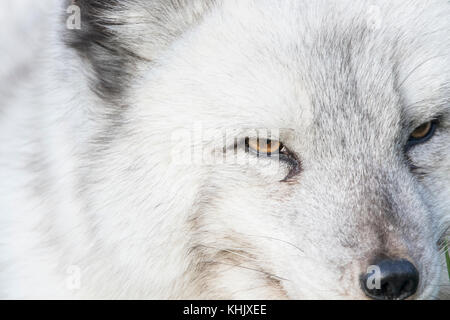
{"type": "Point", "coordinates": [116, 35]}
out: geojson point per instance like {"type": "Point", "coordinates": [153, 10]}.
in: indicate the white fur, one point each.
{"type": "Point", "coordinates": [137, 225]}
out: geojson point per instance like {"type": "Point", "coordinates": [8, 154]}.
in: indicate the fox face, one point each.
{"type": "Point", "coordinates": [329, 147]}
{"type": "Point", "coordinates": [259, 149]}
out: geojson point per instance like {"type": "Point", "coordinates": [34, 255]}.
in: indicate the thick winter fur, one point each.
{"type": "Point", "coordinates": [89, 185]}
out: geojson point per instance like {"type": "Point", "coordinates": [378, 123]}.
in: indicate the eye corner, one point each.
{"type": "Point", "coordinates": [282, 152]}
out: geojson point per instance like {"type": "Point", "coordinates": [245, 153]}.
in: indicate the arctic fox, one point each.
{"type": "Point", "coordinates": [227, 149]}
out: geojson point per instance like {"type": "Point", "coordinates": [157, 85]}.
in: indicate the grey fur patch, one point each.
{"type": "Point", "coordinates": [112, 31]}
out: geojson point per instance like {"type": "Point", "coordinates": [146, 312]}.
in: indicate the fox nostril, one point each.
{"type": "Point", "coordinates": [391, 280]}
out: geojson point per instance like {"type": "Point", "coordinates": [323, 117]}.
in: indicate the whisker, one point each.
{"type": "Point", "coordinates": [419, 66]}
{"type": "Point", "coordinates": [303, 255]}
{"type": "Point", "coordinates": [230, 251]}
{"type": "Point", "coordinates": [270, 275]}
{"type": "Point", "coordinates": [260, 287]}
{"type": "Point", "coordinates": [276, 239]}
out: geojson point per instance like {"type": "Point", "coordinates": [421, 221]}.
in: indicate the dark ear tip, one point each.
{"type": "Point", "coordinates": [98, 46]}
{"type": "Point", "coordinates": [105, 41]}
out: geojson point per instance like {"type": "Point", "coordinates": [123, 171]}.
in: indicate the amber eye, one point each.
{"type": "Point", "coordinates": [423, 133]}
{"type": "Point", "coordinates": [263, 146]}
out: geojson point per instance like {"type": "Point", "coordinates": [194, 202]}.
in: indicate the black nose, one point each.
{"type": "Point", "coordinates": [390, 280]}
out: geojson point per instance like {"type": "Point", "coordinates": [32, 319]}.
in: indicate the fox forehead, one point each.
{"type": "Point", "coordinates": [285, 68]}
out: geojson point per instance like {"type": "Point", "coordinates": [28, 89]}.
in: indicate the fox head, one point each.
{"type": "Point", "coordinates": [269, 149]}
